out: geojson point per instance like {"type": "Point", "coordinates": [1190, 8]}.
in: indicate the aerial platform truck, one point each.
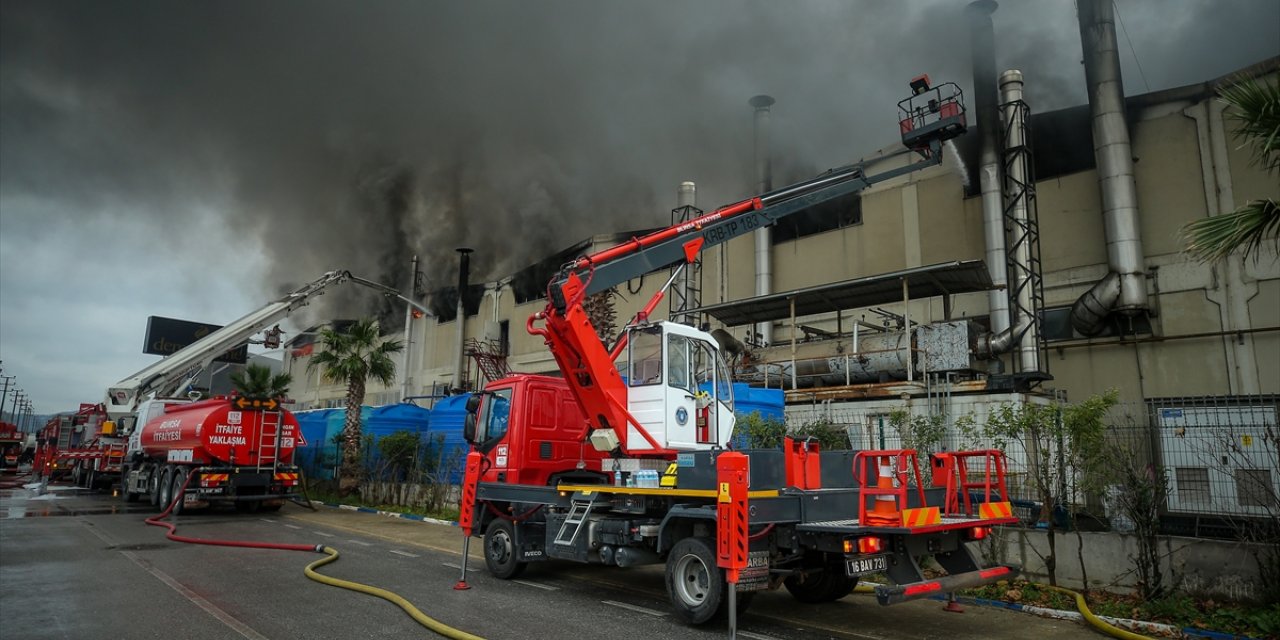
{"type": "Point", "coordinates": [596, 467]}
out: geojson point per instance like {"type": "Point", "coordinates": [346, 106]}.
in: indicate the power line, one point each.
{"type": "Point", "coordinates": [1129, 40]}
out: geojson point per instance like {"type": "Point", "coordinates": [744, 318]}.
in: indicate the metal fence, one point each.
{"type": "Point", "coordinates": [1219, 456]}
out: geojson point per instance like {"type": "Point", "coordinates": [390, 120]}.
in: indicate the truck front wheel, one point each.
{"type": "Point", "coordinates": [129, 496]}
{"type": "Point", "coordinates": [500, 550]}
{"type": "Point", "coordinates": [696, 585]}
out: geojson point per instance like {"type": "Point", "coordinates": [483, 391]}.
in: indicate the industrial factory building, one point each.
{"type": "Point", "coordinates": [1046, 265]}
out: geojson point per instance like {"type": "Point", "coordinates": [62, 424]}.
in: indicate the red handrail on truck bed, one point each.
{"type": "Point", "coordinates": [902, 483]}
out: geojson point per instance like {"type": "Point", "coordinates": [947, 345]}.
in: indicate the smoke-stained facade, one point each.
{"type": "Point", "coordinates": [323, 135]}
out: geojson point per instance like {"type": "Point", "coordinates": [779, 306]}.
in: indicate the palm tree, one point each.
{"type": "Point", "coordinates": [354, 355]}
{"type": "Point", "coordinates": [1256, 115]}
{"type": "Point", "coordinates": [257, 383]}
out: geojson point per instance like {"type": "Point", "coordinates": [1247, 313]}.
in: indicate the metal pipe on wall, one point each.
{"type": "Point", "coordinates": [764, 183]}
{"type": "Point", "coordinates": [464, 275]}
{"type": "Point", "coordinates": [405, 379]}
{"type": "Point", "coordinates": [1124, 289]}
{"type": "Point", "coordinates": [1021, 262]}
{"type": "Point", "coordinates": [982, 52]}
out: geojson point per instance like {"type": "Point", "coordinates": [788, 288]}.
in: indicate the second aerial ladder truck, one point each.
{"type": "Point", "coordinates": [629, 468]}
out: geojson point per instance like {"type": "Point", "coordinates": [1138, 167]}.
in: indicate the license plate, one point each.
{"type": "Point", "coordinates": [863, 566]}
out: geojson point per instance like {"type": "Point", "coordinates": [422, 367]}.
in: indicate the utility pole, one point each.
{"type": "Point", "coordinates": [8, 381]}
{"type": "Point", "coordinates": [18, 397]}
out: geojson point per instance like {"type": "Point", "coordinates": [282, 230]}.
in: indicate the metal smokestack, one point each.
{"type": "Point", "coordinates": [464, 276]}
{"type": "Point", "coordinates": [1124, 289]}
{"type": "Point", "coordinates": [686, 202]}
{"type": "Point", "coordinates": [1024, 258]}
{"type": "Point", "coordinates": [764, 183]}
{"type": "Point", "coordinates": [982, 50]}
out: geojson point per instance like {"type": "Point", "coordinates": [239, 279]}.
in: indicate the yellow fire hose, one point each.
{"type": "Point", "coordinates": [1099, 623]}
{"type": "Point", "coordinates": [419, 616]}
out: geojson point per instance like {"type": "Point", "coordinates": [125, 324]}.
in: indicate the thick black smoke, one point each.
{"type": "Point", "coordinates": [356, 135]}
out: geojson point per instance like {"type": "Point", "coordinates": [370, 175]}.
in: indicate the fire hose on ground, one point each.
{"type": "Point", "coordinates": [450, 632]}
{"type": "Point", "coordinates": [310, 569]}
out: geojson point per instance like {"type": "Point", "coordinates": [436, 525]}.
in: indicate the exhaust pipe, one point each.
{"type": "Point", "coordinates": [764, 183]}
{"type": "Point", "coordinates": [1124, 289]}
{"type": "Point", "coordinates": [464, 276]}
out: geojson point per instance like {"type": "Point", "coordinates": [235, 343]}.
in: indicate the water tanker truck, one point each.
{"type": "Point", "coordinates": [223, 450]}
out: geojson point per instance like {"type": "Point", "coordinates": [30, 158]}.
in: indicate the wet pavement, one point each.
{"type": "Point", "coordinates": [78, 564]}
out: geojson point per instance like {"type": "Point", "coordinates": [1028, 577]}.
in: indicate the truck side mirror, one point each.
{"type": "Point", "coordinates": [469, 427]}
{"type": "Point", "coordinates": [473, 403]}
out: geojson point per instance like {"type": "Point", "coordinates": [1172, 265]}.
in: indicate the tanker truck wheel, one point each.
{"type": "Point", "coordinates": [178, 479]}
{"type": "Point", "coordinates": [129, 496]}
{"type": "Point", "coordinates": [166, 488]}
{"type": "Point", "coordinates": [153, 485]}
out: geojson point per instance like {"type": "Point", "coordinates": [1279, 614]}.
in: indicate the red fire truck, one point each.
{"type": "Point", "coordinates": [633, 467]}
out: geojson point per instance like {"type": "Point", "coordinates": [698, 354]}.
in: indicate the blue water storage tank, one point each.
{"type": "Point", "coordinates": [447, 418]}
{"type": "Point", "coordinates": [388, 419]}
{"type": "Point", "coordinates": [315, 460]}
{"type": "Point", "coordinates": [748, 400]}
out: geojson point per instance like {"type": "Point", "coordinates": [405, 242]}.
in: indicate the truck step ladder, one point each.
{"type": "Point", "coordinates": [577, 517]}
{"type": "Point", "coordinates": [269, 440]}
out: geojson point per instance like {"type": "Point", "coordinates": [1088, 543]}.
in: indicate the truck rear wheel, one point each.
{"type": "Point", "coordinates": [815, 588]}
{"type": "Point", "coordinates": [178, 480]}
{"type": "Point", "coordinates": [696, 585]}
{"type": "Point", "coordinates": [500, 550]}
{"type": "Point", "coordinates": [166, 488]}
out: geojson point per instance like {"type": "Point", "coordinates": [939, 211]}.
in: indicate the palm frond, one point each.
{"type": "Point", "coordinates": [1248, 228]}
{"type": "Point", "coordinates": [1256, 115]}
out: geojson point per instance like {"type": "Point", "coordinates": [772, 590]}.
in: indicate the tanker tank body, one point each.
{"type": "Point", "coordinates": [236, 451]}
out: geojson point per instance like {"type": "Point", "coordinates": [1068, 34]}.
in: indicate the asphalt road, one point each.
{"type": "Point", "coordinates": [80, 565]}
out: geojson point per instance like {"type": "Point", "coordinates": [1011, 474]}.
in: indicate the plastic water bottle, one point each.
{"type": "Point", "coordinates": [617, 477]}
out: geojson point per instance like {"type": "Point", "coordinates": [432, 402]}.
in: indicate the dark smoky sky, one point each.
{"type": "Point", "coordinates": [194, 159]}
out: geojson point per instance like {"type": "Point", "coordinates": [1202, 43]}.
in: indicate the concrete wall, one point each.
{"type": "Point", "coordinates": [1200, 567]}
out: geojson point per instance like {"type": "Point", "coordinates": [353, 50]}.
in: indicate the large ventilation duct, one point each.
{"type": "Point", "coordinates": [983, 53]}
{"type": "Point", "coordinates": [764, 183]}
{"type": "Point", "coordinates": [464, 277]}
{"type": "Point", "coordinates": [1124, 289]}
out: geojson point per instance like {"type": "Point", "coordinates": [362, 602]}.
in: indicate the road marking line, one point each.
{"type": "Point", "coordinates": [632, 607]}
{"type": "Point", "coordinates": [360, 542]}
{"type": "Point", "coordinates": [458, 566]}
{"type": "Point", "coordinates": [321, 533]}
{"type": "Point", "coordinates": [210, 608]}
{"type": "Point", "coordinates": [757, 636]}
{"type": "Point", "coordinates": [266, 519]}
{"type": "Point", "coordinates": [293, 526]}
{"type": "Point", "coordinates": [405, 553]}
{"type": "Point", "coordinates": [544, 587]}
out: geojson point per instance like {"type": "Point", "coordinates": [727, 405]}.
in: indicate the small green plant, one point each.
{"type": "Point", "coordinates": [830, 436]}
{"type": "Point", "coordinates": [761, 432]}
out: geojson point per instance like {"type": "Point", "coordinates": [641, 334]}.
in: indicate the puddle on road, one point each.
{"type": "Point", "coordinates": [109, 511]}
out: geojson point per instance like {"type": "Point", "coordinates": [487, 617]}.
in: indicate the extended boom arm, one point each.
{"type": "Point", "coordinates": [930, 117]}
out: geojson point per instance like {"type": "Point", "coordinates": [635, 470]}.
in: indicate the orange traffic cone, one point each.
{"type": "Point", "coordinates": [885, 511]}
